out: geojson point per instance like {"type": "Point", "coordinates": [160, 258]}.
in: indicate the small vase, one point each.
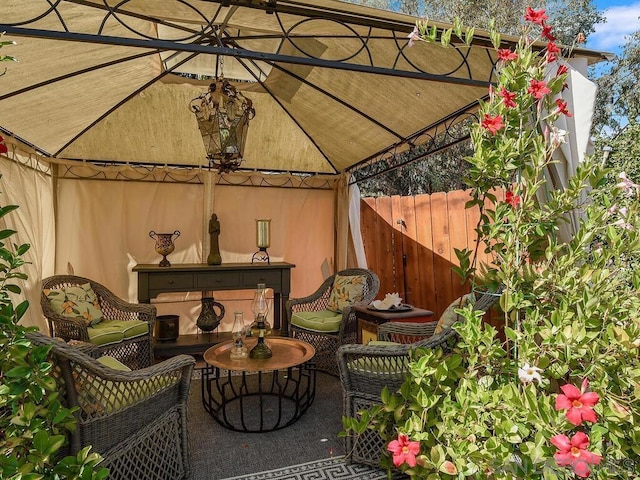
{"type": "Point", "coordinates": [208, 320]}
{"type": "Point", "coordinates": [239, 351]}
{"type": "Point", "coordinates": [164, 245]}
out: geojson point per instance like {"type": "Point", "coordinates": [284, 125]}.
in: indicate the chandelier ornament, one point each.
{"type": "Point", "coordinates": [223, 116]}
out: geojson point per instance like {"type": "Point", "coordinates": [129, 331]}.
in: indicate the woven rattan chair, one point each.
{"type": "Point", "coordinates": [366, 369]}
{"type": "Point", "coordinates": [326, 343]}
{"type": "Point", "coordinates": [136, 352]}
{"type": "Point", "coordinates": [137, 420]}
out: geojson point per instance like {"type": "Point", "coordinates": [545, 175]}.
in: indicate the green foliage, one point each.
{"type": "Point", "coordinates": [33, 421]}
{"type": "Point", "coordinates": [571, 311]}
{"type": "Point", "coordinates": [618, 98]}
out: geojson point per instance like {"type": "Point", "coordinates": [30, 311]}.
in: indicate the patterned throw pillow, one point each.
{"type": "Point", "coordinates": [346, 290]}
{"type": "Point", "coordinates": [76, 302]}
{"type": "Point", "coordinates": [449, 316]}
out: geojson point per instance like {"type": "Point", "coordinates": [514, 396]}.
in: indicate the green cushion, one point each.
{"type": "Point", "coordinates": [321, 321]}
{"type": "Point", "coordinates": [97, 396]}
{"type": "Point", "coordinates": [449, 317]}
{"type": "Point", "coordinates": [129, 328]}
{"type": "Point", "coordinates": [346, 290]}
{"type": "Point", "coordinates": [103, 334]}
{"type": "Point", "coordinates": [383, 343]}
{"type": "Point", "coordinates": [113, 363]}
{"type": "Point", "coordinates": [79, 301]}
{"type": "Point", "coordinates": [113, 331]}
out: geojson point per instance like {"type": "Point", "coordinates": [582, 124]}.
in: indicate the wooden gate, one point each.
{"type": "Point", "coordinates": [409, 242]}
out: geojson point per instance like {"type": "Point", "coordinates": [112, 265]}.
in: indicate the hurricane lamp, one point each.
{"type": "Point", "coordinates": [263, 234]}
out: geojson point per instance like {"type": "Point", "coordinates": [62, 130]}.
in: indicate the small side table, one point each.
{"type": "Point", "coordinates": [368, 320]}
{"type": "Point", "coordinates": [259, 395]}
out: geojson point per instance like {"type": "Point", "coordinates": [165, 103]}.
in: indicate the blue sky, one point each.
{"type": "Point", "coordinates": [622, 20]}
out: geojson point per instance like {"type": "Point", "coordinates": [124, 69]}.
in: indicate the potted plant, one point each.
{"type": "Point", "coordinates": [559, 398]}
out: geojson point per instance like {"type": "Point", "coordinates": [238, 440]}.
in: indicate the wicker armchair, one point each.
{"type": "Point", "coordinates": [327, 343]}
{"type": "Point", "coordinates": [137, 420]}
{"type": "Point", "coordinates": [136, 352]}
{"type": "Point", "coordinates": [366, 369]}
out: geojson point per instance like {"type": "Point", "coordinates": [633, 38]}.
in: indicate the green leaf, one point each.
{"type": "Point", "coordinates": [6, 233]}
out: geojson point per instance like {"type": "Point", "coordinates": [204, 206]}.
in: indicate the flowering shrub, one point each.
{"type": "Point", "coordinates": [507, 405]}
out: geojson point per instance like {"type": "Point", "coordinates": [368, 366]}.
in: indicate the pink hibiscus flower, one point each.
{"type": "Point", "coordinates": [404, 451]}
{"type": "Point", "coordinates": [512, 199]}
{"type": "Point", "coordinates": [507, 98]}
{"type": "Point", "coordinates": [573, 452]}
{"type": "Point", "coordinates": [492, 123]}
{"type": "Point", "coordinates": [538, 88]}
{"type": "Point", "coordinates": [577, 403]}
{"type": "Point", "coordinates": [536, 16]}
{"type": "Point", "coordinates": [505, 54]}
{"type": "Point", "coordinates": [552, 52]}
{"type": "Point", "coordinates": [562, 108]}
{"type": "Point", "coordinates": [546, 33]}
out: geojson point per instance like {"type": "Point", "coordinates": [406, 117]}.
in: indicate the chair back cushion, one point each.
{"type": "Point", "coordinates": [449, 316]}
{"type": "Point", "coordinates": [77, 301]}
{"type": "Point", "coordinates": [346, 290]}
{"type": "Point", "coordinates": [324, 321]}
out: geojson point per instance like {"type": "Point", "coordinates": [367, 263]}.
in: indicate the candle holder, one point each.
{"type": "Point", "coordinates": [263, 234]}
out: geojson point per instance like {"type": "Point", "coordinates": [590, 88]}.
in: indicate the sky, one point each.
{"type": "Point", "coordinates": [622, 20]}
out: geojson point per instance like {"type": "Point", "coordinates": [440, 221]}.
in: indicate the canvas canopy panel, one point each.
{"type": "Point", "coordinates": [334, 85]}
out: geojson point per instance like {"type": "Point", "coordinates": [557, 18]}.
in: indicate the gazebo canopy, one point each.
{"type": "Point", "coordinates": [335, 85]}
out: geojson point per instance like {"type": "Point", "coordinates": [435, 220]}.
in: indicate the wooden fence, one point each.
{"type": "Point", "coordinates": [410, 241]}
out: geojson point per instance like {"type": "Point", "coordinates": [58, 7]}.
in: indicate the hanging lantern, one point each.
{"type": "Point", "coordinates": [223, 116]}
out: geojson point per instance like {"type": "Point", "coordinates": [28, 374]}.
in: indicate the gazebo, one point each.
{"type": "Point", "coordinates": [103, 147]}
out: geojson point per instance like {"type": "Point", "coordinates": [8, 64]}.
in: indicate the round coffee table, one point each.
{"type": "Point", "coordinates": [259, 395]}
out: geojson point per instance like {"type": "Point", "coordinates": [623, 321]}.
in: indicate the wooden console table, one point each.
{"type": "Point", "coordinates": [195, 277]}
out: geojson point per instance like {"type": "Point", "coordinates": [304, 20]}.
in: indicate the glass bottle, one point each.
{"type": "Point", "coordinates": [239, 351]}
{"type": "Point", "coordinates": [260, 309]}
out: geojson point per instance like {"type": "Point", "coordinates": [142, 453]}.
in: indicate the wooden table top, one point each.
{"type": "Point", "coordinates": [287, 352]}
{"type": "Point", "coordinates": [390, 315]}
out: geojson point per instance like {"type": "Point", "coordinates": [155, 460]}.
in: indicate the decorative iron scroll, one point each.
{"type": "Point", "coordinates": [434, 138]}
{"type": "Point", "coordinates": [354, 32]}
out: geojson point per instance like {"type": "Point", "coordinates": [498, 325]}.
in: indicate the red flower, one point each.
{"type": "Point", "coordinates": [546, 33]}
{"type": "Point", "coordinates": [505, 54]}
{"type": "Point", "coordinates": [552, 52]}
{"type": "Point", "coordinates": [536, 16]}
{"type": "Point", "coordinates": [562, 69]}
{"type": "Point", "coordinates": [492, 123]}
{"type": "Point", "coordinates": [507, 97]}
{"type": "Point", "coordinates": [579, 405]}
{"type": "Point", "coordinates": [3, 147]}
{"type": "Point", "coordinates": [404, 451]}
{"type": "Point", "coordinates": [562, 108]}
{"type": "Point", "coordinates": [573, 452]}
{"type": "Point", "coordinates": [512, 199]}
{"type": "Point", "coordinates": [538, 88]}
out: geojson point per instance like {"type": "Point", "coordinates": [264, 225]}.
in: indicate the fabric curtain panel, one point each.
{"type": "Point", "coordinates": [103, 232]}
{"type": "Point", "coordinates": [32, 191]}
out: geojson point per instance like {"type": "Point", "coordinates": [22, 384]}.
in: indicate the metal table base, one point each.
{"type": "Point", "coordinates": [261, 401]}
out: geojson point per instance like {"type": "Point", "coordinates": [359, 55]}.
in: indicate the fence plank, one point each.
{"type": "Point", "coordinates": [425, 288]}
{"type": "Point", "coordinates": [383, 241]}
{"type": "Point", "coordinates": [424, 230]}
{"type": "Point", "coordinates": [412, 290]}
{"type": "Point", "coordinates": [441, 249]}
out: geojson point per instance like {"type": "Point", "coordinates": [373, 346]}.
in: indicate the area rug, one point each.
{"type": "Point", "coordinates": [327, 469]}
